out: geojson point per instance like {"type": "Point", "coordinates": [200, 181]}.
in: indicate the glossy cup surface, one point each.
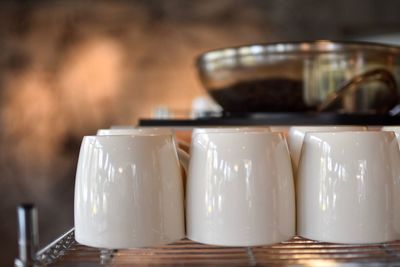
{"type": "Point", "coordinates": [348, 187]}
{"type": "Point", "coordinates": [128, 192]}
{"type": "Point", "coordinates": [296, 136]}
{"type": "Point", "coordinates": [240, 189]}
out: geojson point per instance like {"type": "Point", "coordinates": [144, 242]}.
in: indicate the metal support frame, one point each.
{"type": "Point", "coordinates": [28, 236]}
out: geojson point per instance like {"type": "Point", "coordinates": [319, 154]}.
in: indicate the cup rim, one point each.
{"type": "Point", "coordinates": [344, 133]}
{"type": "Point", "coordinates": [133, 131]}
{"type": "Point", "coordinates": [333, 125]}
{"type": "Point", "coordinates": [230, 130]}
{"type": "Point", "coordinates": [390, 128]}
{"type": "Point", "coordinates": [131, 136]}
{"type": "Point", "coordinates": [300, 127]}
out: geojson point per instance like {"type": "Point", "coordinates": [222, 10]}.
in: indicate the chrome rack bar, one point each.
{"type": "Point", "coordinates": [55, 249]}
{"type": "Point", "coordinates": [28, 235]}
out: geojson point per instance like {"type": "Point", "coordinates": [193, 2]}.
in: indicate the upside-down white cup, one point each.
{"type": "Point", "coordinates": [240, 188]}
{"type": "Point", "coordinates": [128, 191]}
{"type": "Point", "coordinates": [296, 136]}
{"type": "Point", "coordinates": [348, 187]}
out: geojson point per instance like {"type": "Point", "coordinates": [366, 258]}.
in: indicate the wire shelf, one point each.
{"type": "Point", "coordinates": [65, 251]}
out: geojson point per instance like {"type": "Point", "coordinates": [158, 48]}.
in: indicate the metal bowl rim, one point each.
{"type": "Point", "coordinates": [301, 47]}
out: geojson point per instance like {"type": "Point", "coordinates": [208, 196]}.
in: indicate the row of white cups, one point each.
{"type": "Point", "coordinates": [240, 187]}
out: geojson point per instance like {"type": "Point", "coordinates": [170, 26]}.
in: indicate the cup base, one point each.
{"type": "Point", "coordinates": [236, 244]}
{"type": "Point", "coordinates": [114, 245]}
{"type": "Point", "coordinates": [349, 242]}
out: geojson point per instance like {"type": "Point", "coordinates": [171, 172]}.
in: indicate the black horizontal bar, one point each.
{"type": "Point", "coordinates": [278, 119]}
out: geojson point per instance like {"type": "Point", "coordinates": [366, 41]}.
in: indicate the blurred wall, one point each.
{"type": "Point", "coordinates": [68, 68]}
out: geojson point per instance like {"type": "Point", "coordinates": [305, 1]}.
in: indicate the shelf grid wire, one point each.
{"type": "Point", "coordinates": [65, 251]}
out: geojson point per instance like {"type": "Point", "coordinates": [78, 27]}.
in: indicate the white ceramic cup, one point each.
{"type": "Point", "coordinates": [128, 192]}
{"type": "Point", "coordinates": [240, 188]}
{"type": "Point", "coordinates": [348, 187]}
{"type": "Point", "coordinates": [296, 136]}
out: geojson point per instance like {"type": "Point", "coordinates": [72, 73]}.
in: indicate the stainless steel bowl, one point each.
{"type": "Point", "coordinates": [348, 77]}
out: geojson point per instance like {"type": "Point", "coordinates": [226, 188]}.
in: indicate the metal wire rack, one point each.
{"type": "Point", "coordinates": [297, 252]}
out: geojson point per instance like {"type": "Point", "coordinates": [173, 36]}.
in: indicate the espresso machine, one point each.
{"type": "Point", "coordinates": [274, 85]}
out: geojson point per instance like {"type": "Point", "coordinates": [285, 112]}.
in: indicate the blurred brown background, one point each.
{"type": "Point", "coordinates": [68, 68]}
